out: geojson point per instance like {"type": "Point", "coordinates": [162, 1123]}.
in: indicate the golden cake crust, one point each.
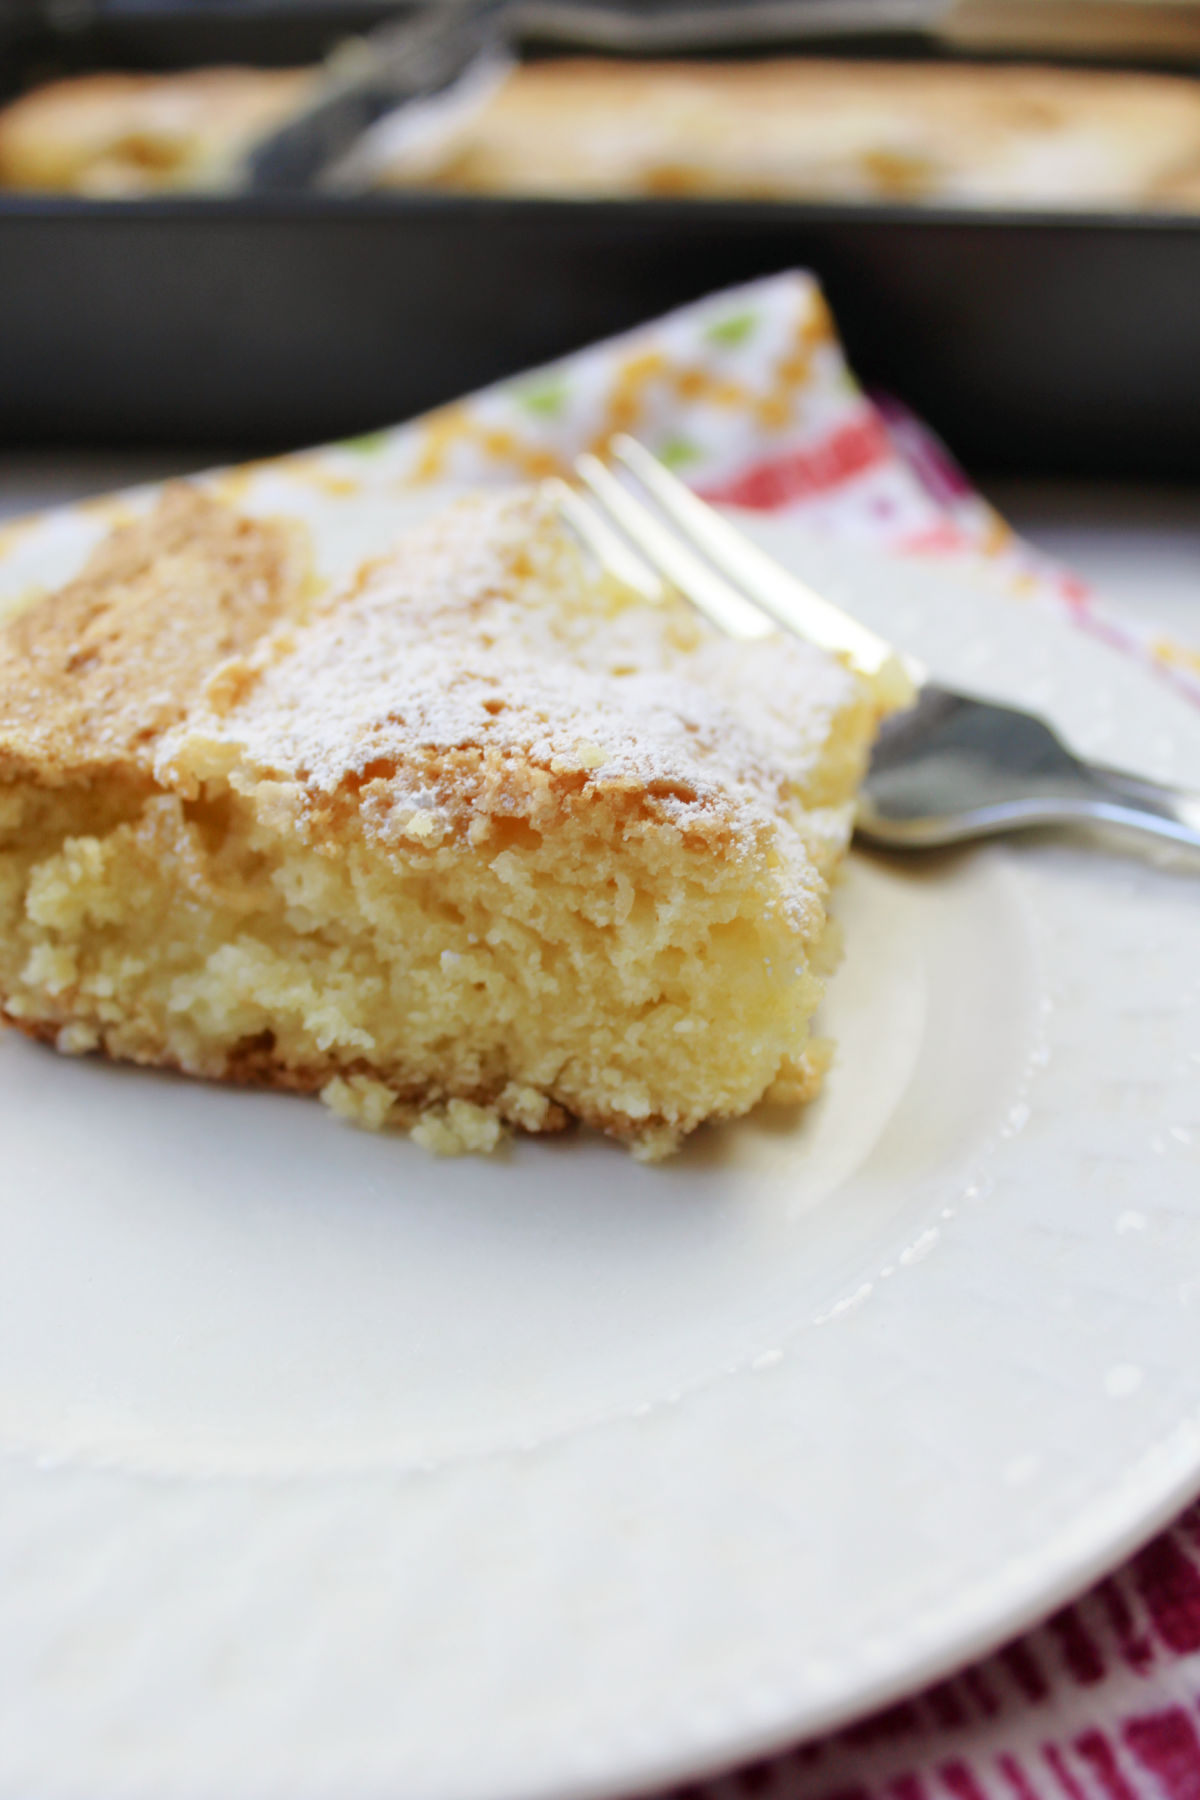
{"type": "Point", "coordinates": [92, 675]}
{"type": "Point", "coordinates": [257, 1064]}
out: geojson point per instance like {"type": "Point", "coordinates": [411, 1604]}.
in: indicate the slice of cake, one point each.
{"type": "Point", "coordinates": [482, 840]}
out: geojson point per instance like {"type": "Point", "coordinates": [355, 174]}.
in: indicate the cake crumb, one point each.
{"type": "Point", "coordinates": [527, 1108]}
{"type": "Point", "coordinates": [655, 1143]}
{"type": "Point", "coordinates": [52, 966]}
{"type": "Point", "coordinates": [360, 1100]}
{"type": "Point", "coordinates": [799, 1081]}
{"type": "Point", "coordinates": [460, 1128]}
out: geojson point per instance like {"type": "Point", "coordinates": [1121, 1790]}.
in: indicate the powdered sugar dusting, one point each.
{"type": "Point", "coordinates": [485, 646]}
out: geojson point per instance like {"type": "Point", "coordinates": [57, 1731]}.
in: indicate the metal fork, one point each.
{"type": "Point", "coordinates": [947, 767]}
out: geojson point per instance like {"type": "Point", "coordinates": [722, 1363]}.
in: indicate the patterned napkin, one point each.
{"type": "Point", "coordinates": [749, 397]}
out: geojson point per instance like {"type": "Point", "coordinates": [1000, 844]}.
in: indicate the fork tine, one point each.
{"type": "Point", "coordinates": [708, 591]}
{"type": "Point", "coordinates": [612, 551]}
{"type": "Point", "coordinates": [789, 601]}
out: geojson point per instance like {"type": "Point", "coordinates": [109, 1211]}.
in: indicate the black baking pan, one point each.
{"type": "Point", "coordinates": [1040, 345]}
{"type": "Point", "coordinates": [1065, 344]}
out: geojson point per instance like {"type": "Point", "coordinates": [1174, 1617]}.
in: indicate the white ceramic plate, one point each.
{"type": "Point", "coordinates": [334, 1472]}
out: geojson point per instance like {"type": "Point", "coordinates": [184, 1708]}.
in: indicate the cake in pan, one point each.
{"type": "Point", "coordinates": [816, 129]}
{"type": "Point", "coordinates": [798, 128]}
{"type": "Point", "coordinates": [111, 135]}
{"type": "Point", "coordinates": [481, 840]}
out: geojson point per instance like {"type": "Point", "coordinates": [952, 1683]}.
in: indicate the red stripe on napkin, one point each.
{"type": "Point", "coordinates": [798, 474]}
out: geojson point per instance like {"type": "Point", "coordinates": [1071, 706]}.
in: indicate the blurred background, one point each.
{"type": "Point", "coordinates": [261, 223]}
